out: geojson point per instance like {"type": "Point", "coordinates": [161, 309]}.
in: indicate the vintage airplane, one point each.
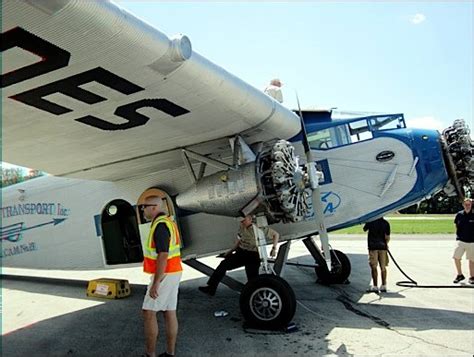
{"type": "Point", "coordinates": [116, 111]}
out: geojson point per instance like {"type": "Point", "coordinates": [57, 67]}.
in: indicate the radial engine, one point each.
{"type": "Point", "coordinates": [459, 156]}
{"type": "Point", "coordinates": [274, 184]}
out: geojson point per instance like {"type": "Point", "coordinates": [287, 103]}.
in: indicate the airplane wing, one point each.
{"type": "Point", "coordinates": [90, 91]}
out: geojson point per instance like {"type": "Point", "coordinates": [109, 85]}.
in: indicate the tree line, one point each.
{"type": "Point", "coordinates": [11, 176]}
{"type": "Point", "coordinates": [439, 203]}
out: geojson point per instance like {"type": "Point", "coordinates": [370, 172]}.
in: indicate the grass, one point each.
{"type": "Point", "coordinates": [411, 226]}
{"type": "Point", "coordinates": [421, 215]}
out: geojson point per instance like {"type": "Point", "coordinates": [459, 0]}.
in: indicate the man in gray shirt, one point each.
{"type": "Point", "coordinates": [243, 253]}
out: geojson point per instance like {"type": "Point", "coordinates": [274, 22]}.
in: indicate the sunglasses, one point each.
{"type": "Point", "coordinates": [142, 207]}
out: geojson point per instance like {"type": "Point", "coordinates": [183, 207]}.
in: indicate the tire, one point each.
{"type": "Point", "coordinates": [268, 302]}
{"type": "Point", "coordinates": [340, 269]}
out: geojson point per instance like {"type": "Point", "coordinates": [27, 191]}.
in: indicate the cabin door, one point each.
{"type": "Point", "coordinates": [120, 234]}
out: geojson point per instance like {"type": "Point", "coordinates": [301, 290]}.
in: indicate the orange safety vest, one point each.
{"type": "Point", "coordinates": [173, 264]}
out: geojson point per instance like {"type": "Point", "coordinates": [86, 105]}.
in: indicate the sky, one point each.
{"type": "Point", "coordinates": [405, 57]}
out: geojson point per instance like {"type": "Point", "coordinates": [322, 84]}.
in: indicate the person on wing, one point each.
{"type": "Point", "coordinates": [162, 260]}
{"type": "Point", "coordinates": [377, 239]}
{"type": "Point", "coordinates": [464, 222]}
{"type": "Point", "coordinates": [274, 90]}
{"type": "Point", "coordinates": [243, 253]}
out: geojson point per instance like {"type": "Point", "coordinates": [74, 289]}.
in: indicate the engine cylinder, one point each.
{"type": "Point", "coordinates": [459, 157]}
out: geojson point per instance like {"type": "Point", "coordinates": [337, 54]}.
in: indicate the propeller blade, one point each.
{"type": "Point", "coordinates": [316, 196]}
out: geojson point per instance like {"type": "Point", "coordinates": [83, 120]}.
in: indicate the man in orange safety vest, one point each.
{"type": "Point", "coordinates": [162, 259]}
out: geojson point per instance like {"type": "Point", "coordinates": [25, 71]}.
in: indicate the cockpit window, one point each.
{"type": "Point", "coordinates": [330, 137]}
{"type": "Point", "coordinates": [387, 122]}
{"type": "Point", "coordinates": [321, 139]}
{"type": "Point", "coordinates": [359, 131]}
{"type": "Point", "coordinates": [352, 131]}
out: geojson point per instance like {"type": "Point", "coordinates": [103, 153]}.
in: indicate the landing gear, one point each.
{"type": "Point", "coordinates": [268, 302]}
{"type": "Point", "coordinates": [340, 264]}
{"type": "Point", "coordinates": [340, 269]}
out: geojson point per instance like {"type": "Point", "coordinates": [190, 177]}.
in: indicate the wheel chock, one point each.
{"type": "Point", "coordinates": [108, 288]}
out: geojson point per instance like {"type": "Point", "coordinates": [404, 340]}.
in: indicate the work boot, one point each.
{"type": "Point", "coordinates": [207, 290]}
{"type": "Point", "coordinates": [459, 278]}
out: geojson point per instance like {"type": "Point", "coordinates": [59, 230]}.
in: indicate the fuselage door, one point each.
{"type": "Point", "coordinates": [120, 234]}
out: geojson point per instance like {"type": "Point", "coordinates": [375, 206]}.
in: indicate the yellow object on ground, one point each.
{"type": "Point", "coordinates": [108, 288]}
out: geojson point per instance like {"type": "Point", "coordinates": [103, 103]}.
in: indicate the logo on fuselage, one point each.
{"type": "Point", "coordinates": [386, 155]}
{"type": "Point", "coordinates": [12, 234]}
{"type": "Point", "coordinates": [331, 202]}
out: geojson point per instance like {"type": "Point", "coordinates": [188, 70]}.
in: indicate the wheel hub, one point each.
{"type": "Point", "coordinates": [266, 304]}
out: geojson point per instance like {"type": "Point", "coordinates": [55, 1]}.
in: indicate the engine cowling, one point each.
{"type": "Point", "coordinates": [275, 184]}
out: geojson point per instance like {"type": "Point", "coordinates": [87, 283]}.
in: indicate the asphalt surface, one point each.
{"type": "Point", "coordinates": [53, 316]}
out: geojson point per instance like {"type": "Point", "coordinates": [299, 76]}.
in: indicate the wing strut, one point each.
{"type": "Point", "coordinates": [241, 154]}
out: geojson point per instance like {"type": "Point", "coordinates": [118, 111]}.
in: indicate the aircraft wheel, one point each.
{"type": "Point", "coordinates": [340, 269]}
{"type": "Point", "coordinates": [268, 302]}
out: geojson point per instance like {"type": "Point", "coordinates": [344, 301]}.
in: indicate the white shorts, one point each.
{"type": "Point", "coordinates": [462, 247]}
{"type": "Point", "coordinates": [167, 299]}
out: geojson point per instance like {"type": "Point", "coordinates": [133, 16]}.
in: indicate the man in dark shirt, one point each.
{"type": "Point", "coordinates": [464, 222]}
{"type": "Point", "coordinates": [377, 239]}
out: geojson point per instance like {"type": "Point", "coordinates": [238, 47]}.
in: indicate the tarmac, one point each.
{"type": "Point", "coordinates": [52, 316]}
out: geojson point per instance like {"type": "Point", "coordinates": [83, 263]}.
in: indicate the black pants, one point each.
{"type": "Point", "coordinates": [241, 257]}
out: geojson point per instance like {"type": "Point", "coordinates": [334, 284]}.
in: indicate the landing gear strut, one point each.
{"type": "Point", "coordinates": [268, 301]}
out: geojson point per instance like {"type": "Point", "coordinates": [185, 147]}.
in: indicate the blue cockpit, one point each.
{"type": "Point", "coordinates": [325, 132]}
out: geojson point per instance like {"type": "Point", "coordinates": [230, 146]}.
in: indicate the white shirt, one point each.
{"type": "Point", "coordinates": [274, 92]}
